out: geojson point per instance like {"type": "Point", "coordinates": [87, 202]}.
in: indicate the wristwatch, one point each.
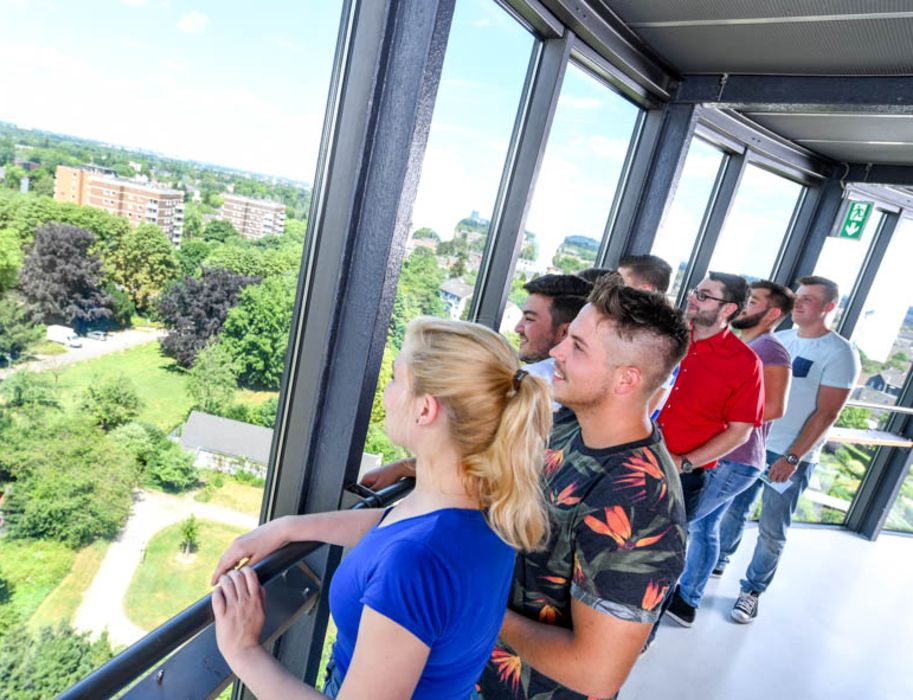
{"type": "Point", "coordinates": [687, 466]}
{"type": "Point", "coordinates": [791, 458]}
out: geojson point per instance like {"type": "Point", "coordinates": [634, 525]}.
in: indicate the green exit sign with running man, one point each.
{"type": "Point", "coordinates": [857, 213]}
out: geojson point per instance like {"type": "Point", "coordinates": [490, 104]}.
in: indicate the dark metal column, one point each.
{"type": "Point", "coordinates": [869, 269]}
{"type": "Point", "coordinates": [383, 90]}
{"type": "Point", "coordinates": [801, 255]}
{"type": "Point", "coordinates": [724, 189]}
{"type": "Point", "coordinates": [656, 166]}
{"type": "Point", "coordinates": [524, 159]}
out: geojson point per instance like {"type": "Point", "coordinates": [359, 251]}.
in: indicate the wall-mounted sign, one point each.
{"type": "Point", "coordinates": [857, 213]}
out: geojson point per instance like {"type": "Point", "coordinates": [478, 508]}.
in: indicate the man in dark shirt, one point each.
{"type": "Point", "coordinates": [581, 608]}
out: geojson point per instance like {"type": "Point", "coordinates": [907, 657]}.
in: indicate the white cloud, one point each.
{"type": "Point", "coordinates": [193, 22]}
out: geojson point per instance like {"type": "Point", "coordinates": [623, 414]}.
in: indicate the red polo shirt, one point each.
{"type": "Point", "coordinates": [719, 381]}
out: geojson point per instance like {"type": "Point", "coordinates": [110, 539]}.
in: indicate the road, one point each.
{"type": "Point", "coordinates": [120, 340]}
{"type": "Point", "coordinates": [102, 605]}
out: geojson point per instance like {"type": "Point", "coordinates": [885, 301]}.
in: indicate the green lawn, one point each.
{"type": "Point", "coordinates": [240, 497]}
{"type": "Point", "coordinates": [161, 385]}
{"type": "Point", "coordinates": [33, 568]}
{"type": "Point", "coordinates": [163, 585]}
{"type": "Point", "coordinates": [47, 348]}
{"type": "Point", "coordinates": [62, 603]}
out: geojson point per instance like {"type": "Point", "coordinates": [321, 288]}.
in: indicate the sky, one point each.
{"type": "Point", "coordinates": [244, 85]}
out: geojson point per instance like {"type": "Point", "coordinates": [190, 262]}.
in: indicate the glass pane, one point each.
{"type": "Point", "coordinates": [485, 67]}
{"type": "Point", "coordinates": [884, 332]}
{"type": "Point", "coordinates": [901, 515]}
{"type": "Point", "coordinates": [682, 221]}
{"type": "Point", "coordinates": [757, 222]}
{"type": "Point", "coordinates": [841, 260]}
{"type": "Point", "coordinates": [834, 482]}
{"type": "Point", "coordinates": [177, 193]}
{"type": "Point", "coordinates": [580, 170]}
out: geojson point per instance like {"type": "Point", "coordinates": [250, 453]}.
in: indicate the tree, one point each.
{"type": "Point", "coordinates": [191, 256]}
{"type": "Point", "coordinates": [256, 331]}
{"type": "Point", "coordinates": [47, 664]}
{"type": "Point", "coordinates": [29, 391]}
{"type": "Point", "coordinates": [111, 402]}
{"type": "Point", "coordinates": [426, 233]}
{"type": "Point", "coordinates": [190, 534]}
{"type": "Point", "coordinates": [17, 331]}
{"type": "Point", "coordinates": [62, 279]}
{"type": "Point", "coordinates": [122, 309]}
{"type": "Point", "coordinates": [458, 268]}
{"type": "Point", "coordinates": [10, 258]}
{"type": "Point", "coordinates": [144, 264]}
{"type": "Point", "coordinates": [194, 310]}
{"type": "Point", "coordinates": [213, 379]}
{"type": "Point", "coordinates": [854, 417]}
{"type": "Point", "coordinates": [193, 221]}
{"type": "Point", "coordinates": [421, 278]}
{"type": "Point", "coordinates": [70, 485]}
{"type": "Point", "coordinates": [219, 230]}
{"type": "Point", "coordinates": [170, 467]}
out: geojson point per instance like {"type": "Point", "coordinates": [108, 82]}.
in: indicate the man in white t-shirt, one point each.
{"type": "Point", "coordinates": [824, 371]}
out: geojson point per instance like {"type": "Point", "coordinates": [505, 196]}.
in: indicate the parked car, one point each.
{"type": "Point", "coordinates": [97, 335]}
{"type": "Point", "coordinates": [74, 341]}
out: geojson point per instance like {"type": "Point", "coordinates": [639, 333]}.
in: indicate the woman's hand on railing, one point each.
{"type": "Point", "coordinates": [238, 604]}
{"type": "Point", "coordinates": [388, 474]}
{"type": "Point", "coordinates": [253, 547]}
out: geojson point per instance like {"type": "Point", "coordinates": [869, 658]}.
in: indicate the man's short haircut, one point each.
{"type": "Point", "coordinates": [831, 291]}
{"type": "Point", "coordinates": [651, 269]}
{"type": "Point", "coordinates": [735, 290]}
{"type": "Point", "coordinates": [567, 292]}
{"type": "Point", "coordinates": [779, 296]}
{"type": "Point", "coordinates": [591, 274]}
{"type": "Point", "coordinates": [648, 320]}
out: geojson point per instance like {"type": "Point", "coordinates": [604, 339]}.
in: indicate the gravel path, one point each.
{"type": "Point", "coordinates": [102, 605]}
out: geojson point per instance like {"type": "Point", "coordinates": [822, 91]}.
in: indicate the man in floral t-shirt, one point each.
{"type": "Point", "coordinates": [581, 608]}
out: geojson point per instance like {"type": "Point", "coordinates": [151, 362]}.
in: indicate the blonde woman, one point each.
{"type": "Point", "coordinates": [419, 601]}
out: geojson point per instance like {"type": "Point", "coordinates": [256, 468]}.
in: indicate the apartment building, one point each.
{"type": "Point", "coordinates": [138, 202]}
{"type": "Point", "coordinates": [253, 218]}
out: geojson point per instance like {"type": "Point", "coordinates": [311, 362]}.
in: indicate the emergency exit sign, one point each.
{"type": "Point", "coordinates": [857, 213]}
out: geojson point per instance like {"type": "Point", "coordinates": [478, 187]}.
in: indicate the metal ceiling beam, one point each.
{"type": "Point", "coordinates": [800, 93]}
{"type": "Point", "coordinates": [880, 174]}
{"type": "Point", "coordinates": [603, 31]}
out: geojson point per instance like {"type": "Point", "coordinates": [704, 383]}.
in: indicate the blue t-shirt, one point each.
{"type": "Point", "coordinates": [445, 577]}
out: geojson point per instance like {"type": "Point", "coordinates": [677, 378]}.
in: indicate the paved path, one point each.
{"type": "Point", "coordinates": [117, 341]}
{"type": "Point", "coordinates": [102, 605]}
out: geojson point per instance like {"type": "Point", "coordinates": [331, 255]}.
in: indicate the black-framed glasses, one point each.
{"type": "Point", "coordinates": [701, 295]}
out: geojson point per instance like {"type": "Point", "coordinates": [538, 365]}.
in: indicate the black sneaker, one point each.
{"type": "Point", "coordinates": [745, 609]}
{"type": "Point", "coordinates": [717, 571]}
{"type": "Point", "coordinates": [680, 611]}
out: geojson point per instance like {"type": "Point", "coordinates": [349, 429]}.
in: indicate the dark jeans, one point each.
{"type": "Point", "coordinates": [333, 681]}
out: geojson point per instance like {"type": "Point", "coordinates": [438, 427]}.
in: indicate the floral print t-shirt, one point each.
{"type": "Point", "coordinates": [617, 544]}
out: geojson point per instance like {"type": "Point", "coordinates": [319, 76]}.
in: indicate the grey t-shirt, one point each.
{"type": "Point", "coordinates": [826, 361]}
{"type": "Point", "coordinates": [772, 353]}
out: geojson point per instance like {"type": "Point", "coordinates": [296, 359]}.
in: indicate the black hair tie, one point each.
{"type": "Point", "coordinates": [518, 377]}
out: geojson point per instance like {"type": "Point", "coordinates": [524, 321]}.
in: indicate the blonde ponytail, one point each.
{"type": "Point", "coordinates": [498, 419]}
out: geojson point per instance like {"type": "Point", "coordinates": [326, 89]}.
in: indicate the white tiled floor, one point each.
{"type": "Point", "coordinates": [836, 624]}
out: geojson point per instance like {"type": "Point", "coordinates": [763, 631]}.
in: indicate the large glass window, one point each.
{"type": "Point", "coordinates": [580, 171]}
{"type": "Point", "coordinates": [754, 230]}
{"type": "Point", "coordinates": [163, 159]}
{"type": "Point", "coordinates": [841, 260]}
{"type": "Point", "coordinates": [884, 338]}
{"type": "Point", "coordinates": [682, 221]}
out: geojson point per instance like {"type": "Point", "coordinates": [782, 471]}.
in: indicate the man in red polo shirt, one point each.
{"type": "Point", "coordinates": [718, 395]}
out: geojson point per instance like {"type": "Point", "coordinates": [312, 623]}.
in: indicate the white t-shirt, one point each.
{"type": "Point", "coordinates": [545, 370]}
{"type": "Point", "coordinates": [826, 361]}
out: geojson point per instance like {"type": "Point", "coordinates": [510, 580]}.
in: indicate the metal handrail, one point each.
{"type": "Point", "coordinates": [127, 666]}
{"type": "Point", "coordinates": [879, 407]}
